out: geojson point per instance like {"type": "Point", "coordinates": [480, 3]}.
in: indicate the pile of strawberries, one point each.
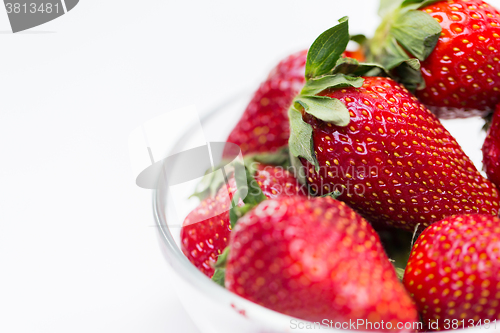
{"type": "Point", "coordinates": [347, 160]}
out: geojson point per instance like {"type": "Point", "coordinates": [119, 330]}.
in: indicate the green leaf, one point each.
{"type": "Point", "coordinates": [298, 168]}
{"type": "Point", "coordinates": [402, 68]}
{"type": "Point", "coordinates": [277, 158]}
{"type": "Point", "coordinates": [301, 142]}
{"type": "Point", "coordinates": [245, 183]}
{"type": "Point", "coordinates": [417, 32]}
{"type": "Point", "coordinates": [327, 49]}
{"type": "Point", "coordinates": [417, 4]}
{"type": "Point", "coordinates": [327, 109]}
{"type": "Point", "coordinates": [335, 194]}
{"type": "Point", "coordinates": [220, 267]}
{"type": "Point", "coordinates": [353, 67]}
{"type": "Point", "coordinates": [409, 74]}
{"type": "Point", "coordinates": [345, 65]}
{"type": "Point", "coordinates": [238, 212]}
{"type": "Point", "coordinates": [317, 85]}
{"type": "Point", "coordinates": [405, 32]}
{"type": "Point", "coordinates": [222, 259]}
{"type": "Point", "coordinates": [392, 55]}
{"type": "Point", "coordinates": [209, 185]}
{"type": "Point", "coordinates": [219, 277]}
{"type": "Point", "coordinates": [254, 195]}
{"type": "Point", "coordinates": [400, 272]}
{"type": "Point", "coordinates": [359, 38]}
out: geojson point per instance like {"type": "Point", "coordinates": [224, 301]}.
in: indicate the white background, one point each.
{"type": "Point", "coordinates": [78, 248]}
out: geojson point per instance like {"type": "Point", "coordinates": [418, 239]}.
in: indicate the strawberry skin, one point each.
{"type": "Point", "coordinates": [276, 181]}
{"type": "Point", "coordinates": [491, 149]}
{"type": "Point", "coordinates": [263, 126]}
{"type": "Point", "coordinates": [454, 271]}
{"type": "Point", "coordinates": [204, 238]}
{"type": "Point", "coordinates": [291, 71]}
{"type": "Point", "coordinates": [463, 71]}
{"type": "Point", "coordinates": [315, 259]}
{"type": "Point", "coordinates": [394, 162]}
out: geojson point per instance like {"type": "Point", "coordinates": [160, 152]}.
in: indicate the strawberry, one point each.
{"type": "Point", "coordinates": [264, 125]}
{"type": "Point", "coordinates": [462, 70]}
{"type": "Point", "coordinates": [315, 260]}
{"type": "Point", "coordinates": [457, 43]}
{"type": "Point", "coordinates": [453, 272]}
{"type": "Point", "coordinates": [290, 71]}
{"type": "Point", "coordinates": [491, 149]}
{"type": "Point", "coordinates": [387, 154]}
{"type": "Point", "coordinates": [398, 163]}
{"type": "Point", "coordinates": [205, 233]}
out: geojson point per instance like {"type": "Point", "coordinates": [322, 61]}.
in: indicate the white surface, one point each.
{"type": "Point", "coordinates": [78, 250]}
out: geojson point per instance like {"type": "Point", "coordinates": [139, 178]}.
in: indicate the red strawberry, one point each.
{"type": "Point", "coordinates": [290, 71]}
{"type": "Point", "coordinates": [277, 181]}
{"type": "Point", "coordinates": [394, 162]}
{"type": "Point", "coordinates": [315, 260]}
{"type": "Point", "coordinates": [454, 272]}
{"type": "Point", "coordinates": [264, 124]}
{"type": "Point", "coordinates": [462, 73]}
{"type": "Point", "coordinates": [203, 239]}
{"type": "Point", "coordinates": [457, 43]}
{"type": "Point", "coordinates": [491, 149]}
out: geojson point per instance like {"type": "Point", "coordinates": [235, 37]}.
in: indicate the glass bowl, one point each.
{"type": "Point", "coordinates": [213, 308]}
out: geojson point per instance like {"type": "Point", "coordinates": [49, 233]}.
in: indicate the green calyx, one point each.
{"type": "Point", "coordinates": [400, 273]}
{"type": "Point", "coordinates": [327, 48]}
{"type": "Point", "coordinates": [220, 268]}
{"type": "Point", "coordinates": [326, 69]}
{"type": "Point", "coordinates": [212, 181]}
{"type": "Point", "coordinates": [405, 35]}
{"type": "Point", "coordinates": [334, 195]}
{"type": "Point", "coordinates": [279, 157]}
{"type": "Point", "coordinates": [254, 196]}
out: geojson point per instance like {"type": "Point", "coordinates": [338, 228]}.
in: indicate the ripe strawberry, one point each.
{"type": "Point", "coordinates": [457, 43]}
{"type": "Point", "coordinates": [204, 236]}
{"type": "Point", "coordinates": [394, 162]}
{"type": "Point", "coordinates": [315, 260]}
{"type": "Point", "coordinates": [264, 125]}
{"type": "Point", "coordinates": [290, 71]}
{"type": "Point", "coordinates": [491, 149]}
{"type": "Point", "coordinates": [454, 271]}
{"type": "Point", "coordinates": [462, 73]}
